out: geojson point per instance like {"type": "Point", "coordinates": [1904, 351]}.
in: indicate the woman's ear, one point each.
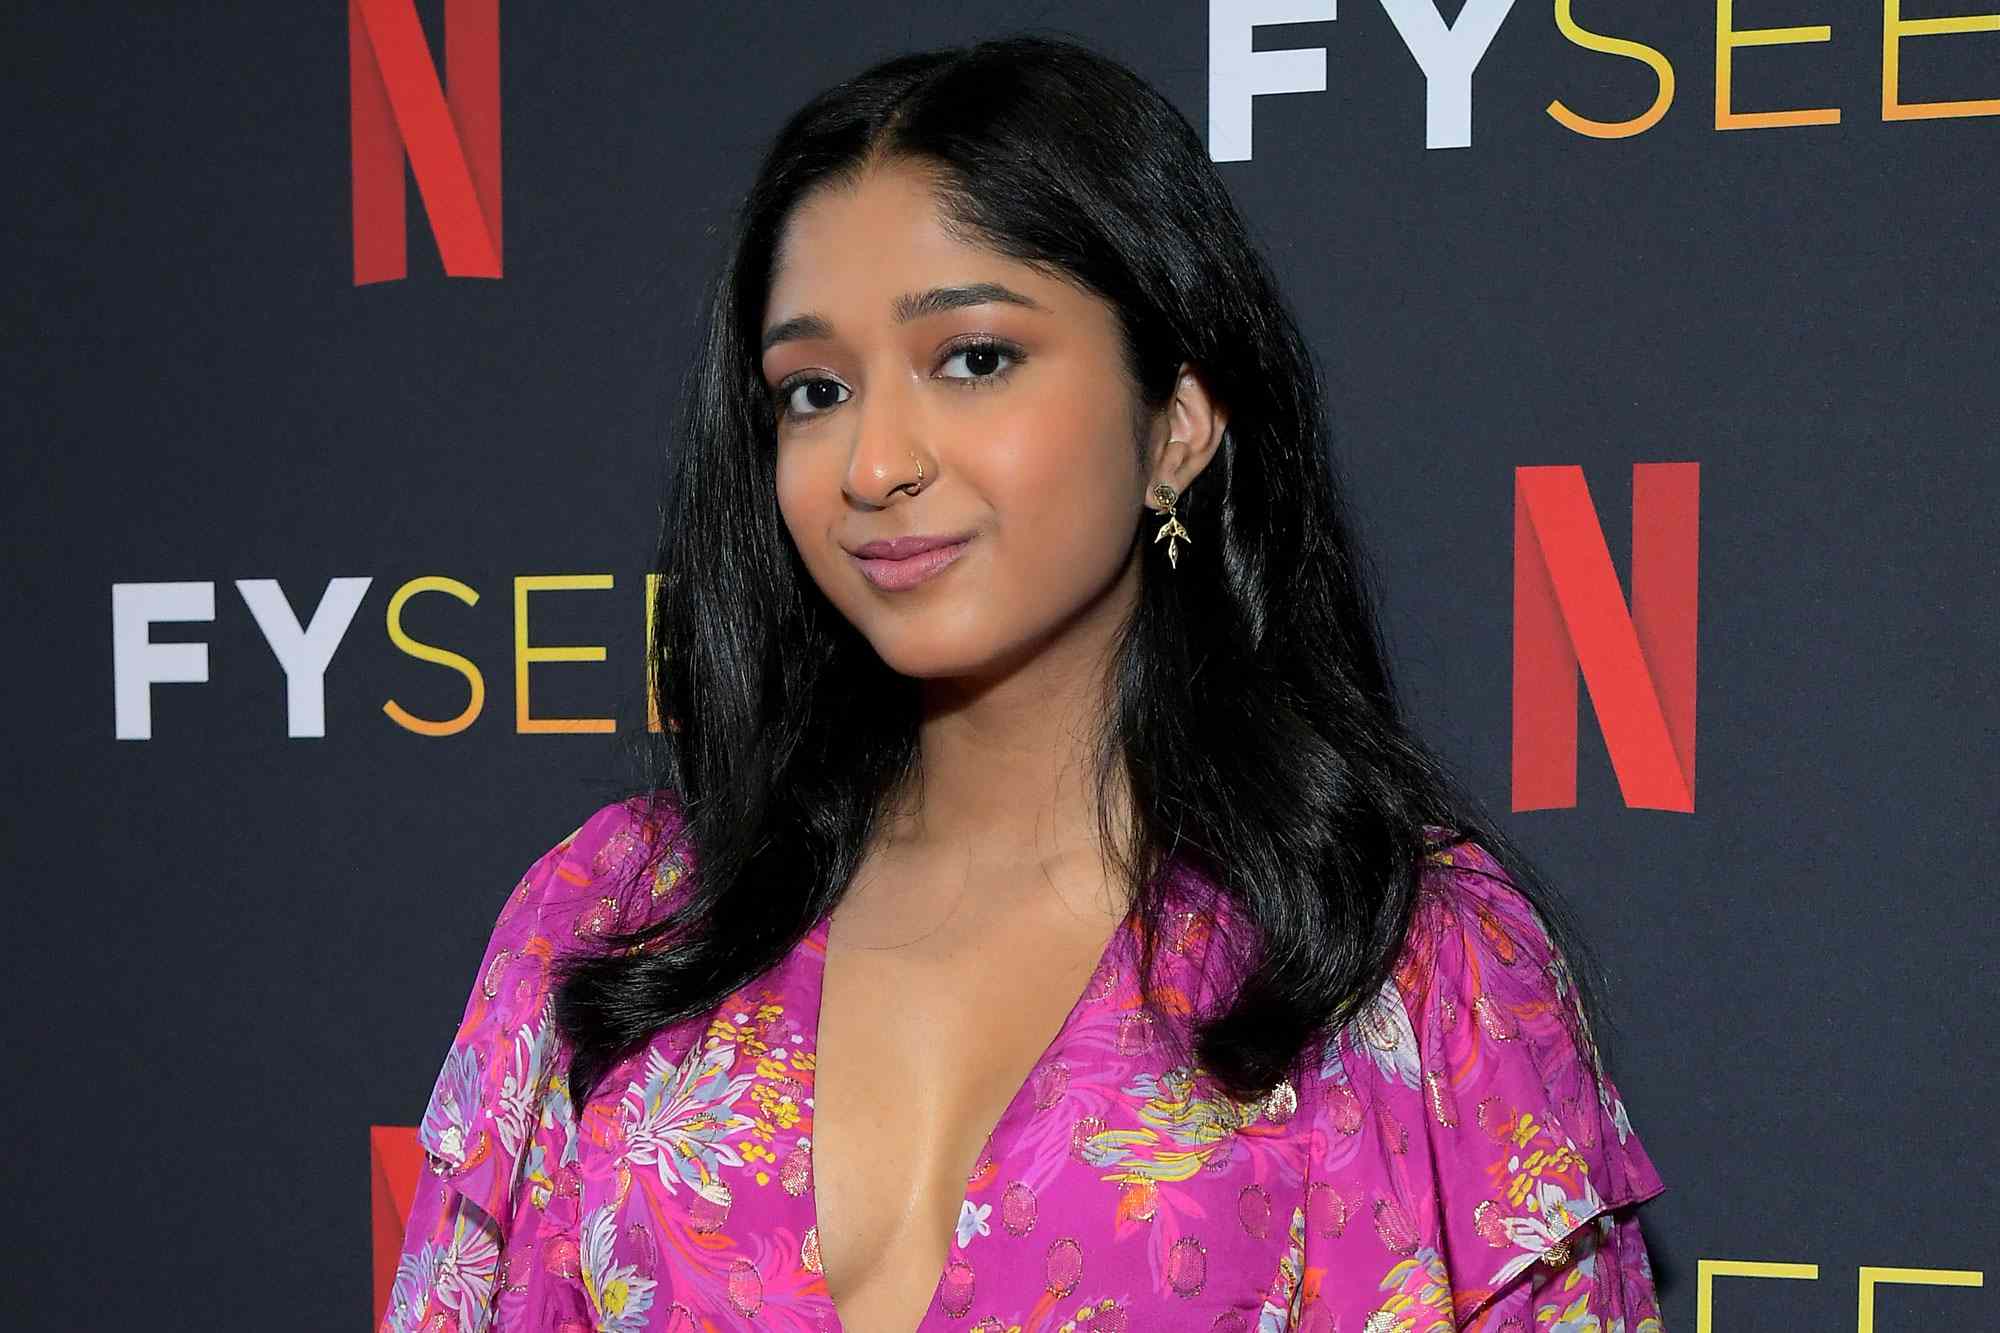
{"type": "Point", "coordinates": [1186, 433]}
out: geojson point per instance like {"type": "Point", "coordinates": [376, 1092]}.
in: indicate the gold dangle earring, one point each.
{"type": "Point", "coordinates": [1172, 530]}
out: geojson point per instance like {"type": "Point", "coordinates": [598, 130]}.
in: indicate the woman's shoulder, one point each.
{"type": "Point", "coordinates": [1475, 1059]}
{"type": "Point", "coordinates": [1480, 974]}
{"type": "Point", "coordinates": [1471, 916]}
{"type": "Point", "coordinates": [615, 871]}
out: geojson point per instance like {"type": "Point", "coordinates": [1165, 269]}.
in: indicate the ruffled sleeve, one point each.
{"type": "Point", "coordinates": [491, 1230]}
{"type": "Point", "coordinates": [1472, 1164]}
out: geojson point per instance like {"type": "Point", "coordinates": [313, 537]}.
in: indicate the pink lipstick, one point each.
{"type": "Point", "coordinates": [904, 562]}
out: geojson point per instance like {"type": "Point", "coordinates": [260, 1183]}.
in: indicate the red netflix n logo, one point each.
{"type": "Point", "coordinates": [395, 1159]}
{"type": "Point", "coordinates": [1569, 616]}
{"type": "Point", "coordinates": [397, 103]}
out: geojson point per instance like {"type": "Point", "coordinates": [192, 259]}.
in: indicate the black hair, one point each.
{"type": "Point", "coordinates": [1251, 709]}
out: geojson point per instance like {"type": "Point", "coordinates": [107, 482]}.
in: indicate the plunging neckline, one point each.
{"type": "Point", "coordinates": [1095, 989]}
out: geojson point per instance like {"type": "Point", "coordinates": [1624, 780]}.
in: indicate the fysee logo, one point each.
{"type": "Point", "coordinates": [1447, 56]}
{"type": "Point", "coordinates": [397, 104]}
{"type": "Point", "coordinates": [304, 651]}
{"type": "Point", "coordinates": [1708, 1270]}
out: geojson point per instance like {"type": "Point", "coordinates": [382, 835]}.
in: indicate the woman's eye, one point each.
{"type": "Point", "coordinates": [816, 399]}
{"type": "Point", "coordinates": [979, 359]}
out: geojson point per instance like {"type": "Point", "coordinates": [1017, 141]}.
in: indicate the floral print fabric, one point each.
{"type": "Point", "coordinates": [1452, 1159]}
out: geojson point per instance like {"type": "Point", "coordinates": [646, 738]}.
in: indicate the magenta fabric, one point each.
{"type": "Point", "coordinates": [1452, 1159]}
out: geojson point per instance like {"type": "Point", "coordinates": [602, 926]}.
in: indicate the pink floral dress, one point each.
{"type": "Point", "coordinates": [1451, 1159]}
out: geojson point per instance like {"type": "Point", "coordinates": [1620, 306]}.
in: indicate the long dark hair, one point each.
{"type": "Point", "coordinates": [1251, 707]}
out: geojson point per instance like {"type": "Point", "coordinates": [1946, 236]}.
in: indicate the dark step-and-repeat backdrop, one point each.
{"type": "Point", "coordinates": [1660, 341]}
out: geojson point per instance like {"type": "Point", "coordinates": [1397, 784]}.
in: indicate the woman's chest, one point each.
{"type": "Point", "coordinates": [920, 1057]}
{"type": "Point", "coordinates": [1115, 1190]}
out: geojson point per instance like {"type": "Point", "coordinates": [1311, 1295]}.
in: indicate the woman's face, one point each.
{"type": "Point", "coordinates": [1017, 407]}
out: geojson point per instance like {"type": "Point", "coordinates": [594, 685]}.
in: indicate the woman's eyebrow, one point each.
{"type": "Point", "coordinates": [910, 306]}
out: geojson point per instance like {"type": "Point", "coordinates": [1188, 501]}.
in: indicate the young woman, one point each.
{"type": "Point", "coordinates": [1036, 914]}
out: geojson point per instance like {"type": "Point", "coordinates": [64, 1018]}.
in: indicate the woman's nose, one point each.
{"type": "Point", "coordinates": [886, 456]}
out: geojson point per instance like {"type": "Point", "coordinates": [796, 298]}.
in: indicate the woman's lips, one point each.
{"type": "Point", "coordinates": [896, 575]}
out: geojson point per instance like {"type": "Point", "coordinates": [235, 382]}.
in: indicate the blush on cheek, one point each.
{"type": "Point", "coordinates": [1070, 551]}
